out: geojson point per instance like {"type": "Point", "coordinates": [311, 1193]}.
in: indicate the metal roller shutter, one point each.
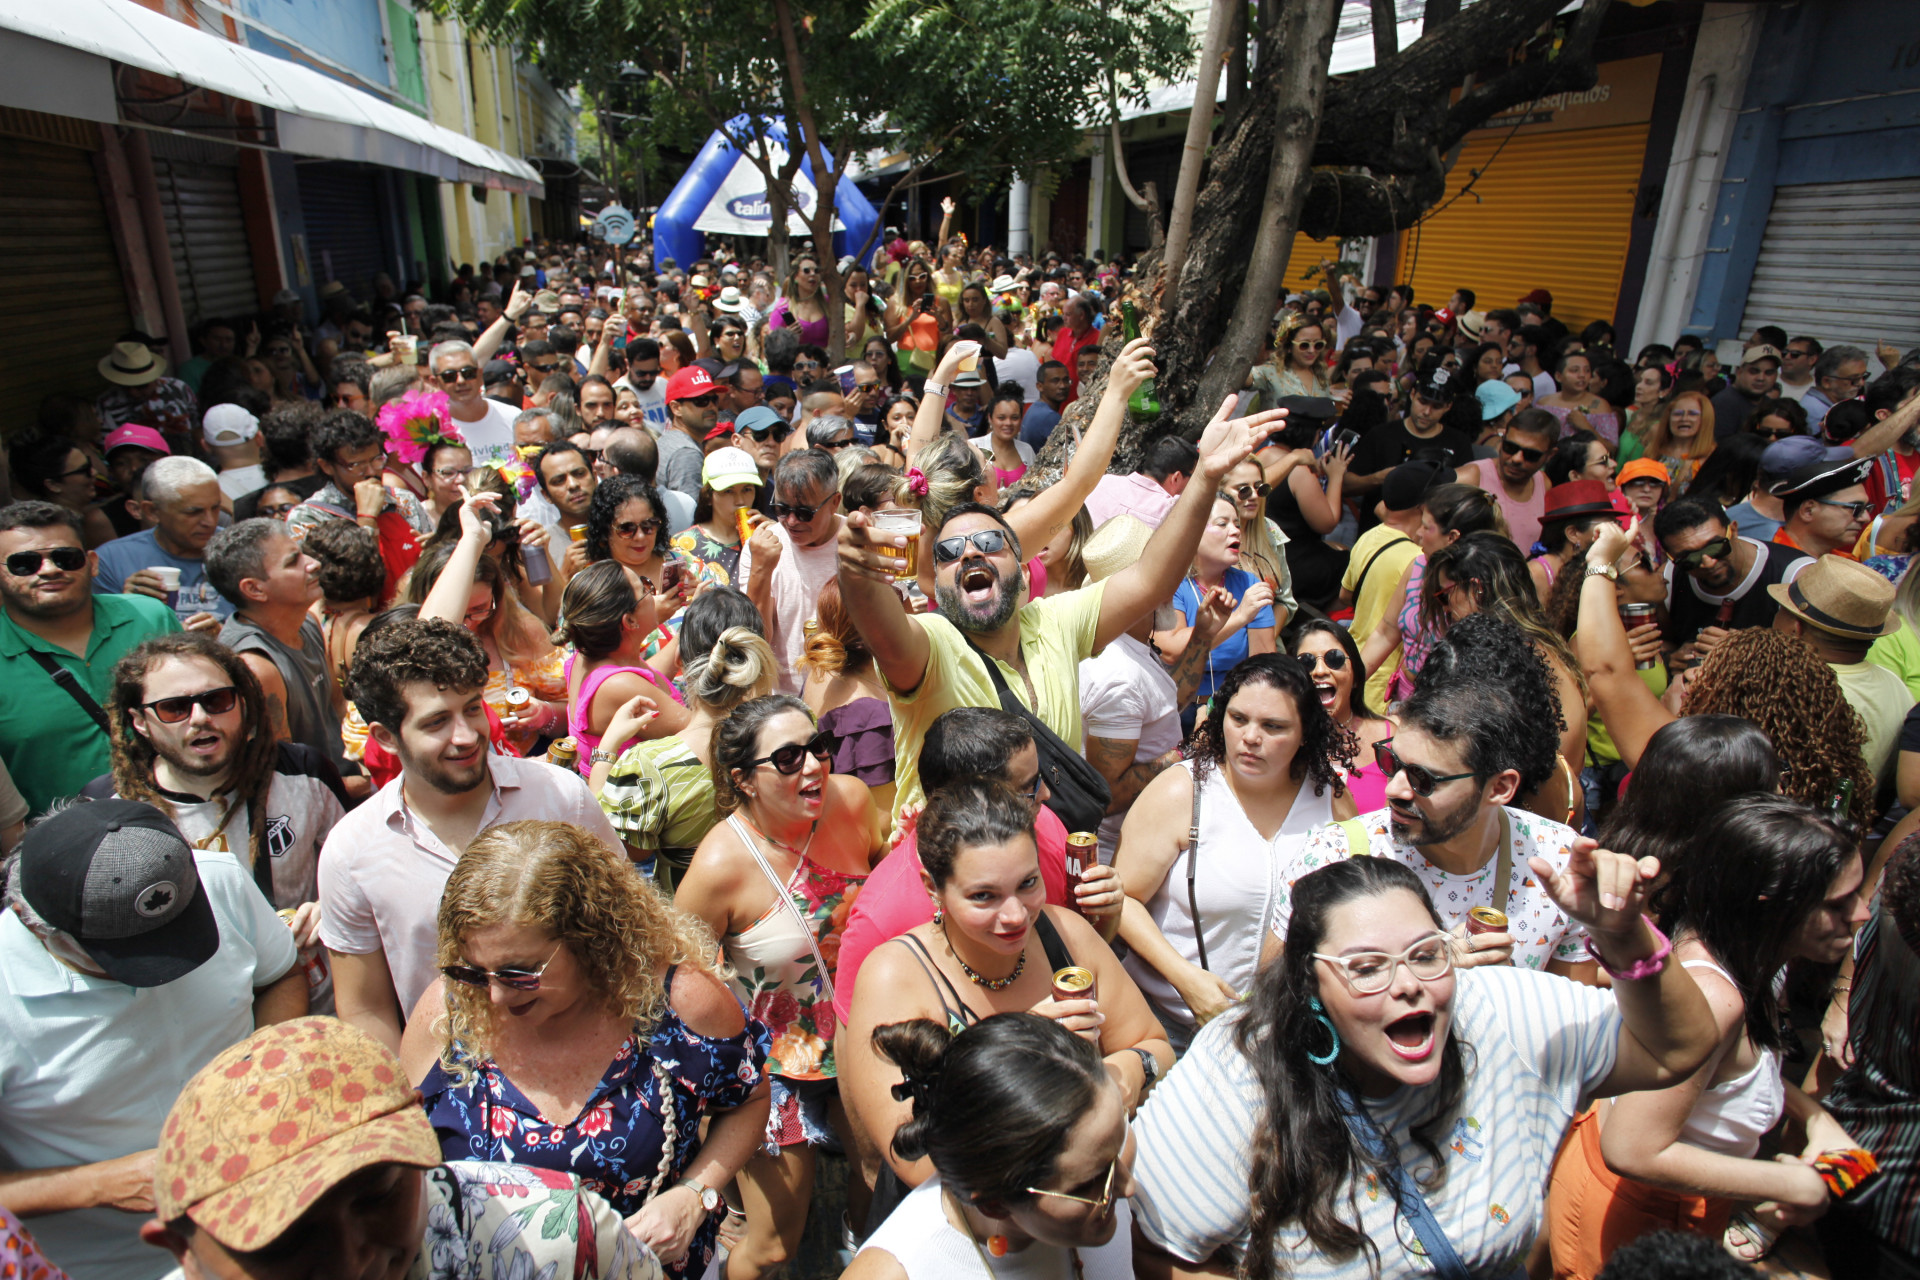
{"type": "Point", "coordinates": [207, 237]}
{"type": "Point", "coordinates": [342, 207]}
{"type": "Point", "coordinates": [1840, 262]}
{"type": "Point", "coordinates": [1552, 211]}
{"type": "Point", "coordinates": [66, 301]}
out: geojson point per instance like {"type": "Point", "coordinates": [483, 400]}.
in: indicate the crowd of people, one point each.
{"type": "Point", "coordinates": [505, 783]}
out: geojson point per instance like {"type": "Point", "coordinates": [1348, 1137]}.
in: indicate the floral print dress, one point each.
{"type": "Point", "coordinates": [615, 1144]}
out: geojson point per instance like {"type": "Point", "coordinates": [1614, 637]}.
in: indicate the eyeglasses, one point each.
{"type": "Point", "coordinates": [784, 510]}
{"type": "Point", "coordinates": [465, 373]}
{"type": "Point", "coordinates": [449, 473]}
{"type": "Point", "coordinates": [1717, 549]}
{"type": "Point", "coordinates": [1333, 659]}
{"type": "Point", "coordinates": [84, 468]}
{"type": "Point", "coordinates": [761, 434]}
{"type": "Point", "coordinates": [788, 759]}
{"type": "Point", "coordinates": [215, 702]}
{"type": "Point", "coordinates": [24, 564]}
{"type": "Point", "coordinates": [987, 542]}
{"type": "Point", "coordinates": [1105, 1199]}
{"type": "Point", "coordinates": [1531, 455]}
{"type": "Point", "coordinates": [1245, 491]}
{"type": "Point", "coordinates": [469, 975]}
{"type": "Point", "coordinates": [1422, 779]}
{"type": "Point", "coordinates": [1859, 510]}
{"type": "Point", "coordinates": [365, 467]}
{"type": "Point", "coordinates": [474, 617]}
{"type": "Point", "coordinates": [1857, 380]}
{"type": "Point", "coordinates": [1371, 972]}
{"type": "Point", "coordinates": [1032, 790]}
{"type": "Point", "coordinates": [631, 529]}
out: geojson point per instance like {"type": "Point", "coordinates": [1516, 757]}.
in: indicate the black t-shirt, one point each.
{"type": "Point", "coordinates": [1390, 444]}
{"type": "Point", "coordinates": [1754, 607]}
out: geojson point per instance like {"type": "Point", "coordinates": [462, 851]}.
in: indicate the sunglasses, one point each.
{"type": "Point", "coordinates": [783, 510]}
{"type": "Point", "coordinates": [806, 364]}
{"type": "Point", "coordinates": [778, 433]}
{"type": "Point", "coordinates": [469, 975]}
{"type": "Point", "coordinates": [631, 529]}
{"type": "Point", "coordinates": [1105, 1199]}
{"type": "Point", "coordinates": [1318, 344]}
{"type": "Point", "coordinates": [645, 377]}
{"type": "Point", "coordinates": [1371, 972]}
{"type": "Point", "coordinates": [279, 511]}
{"type": "Point", "coordinates": [215, 702]}
{"type": "Point", "coordinates": [1531, 455]}
{"type": "Point", "coordinates": [24, 564]}
{"type": "Point", "coordinates": [836, 444]}
{"type": "Point", "coordinates": [788, 759]}
{"type": "Point", "coordinates": [1245, 491]}
{"type": "Point", "coordinates": [1333, 659]}
{"type": "Point", "coordinates": [1859, 510]}
{"type": "Point", "coordinates": [465, 373]}
{"type": "Point", "coordinates": [545, 368]}
{"type": "Point", "coordinates": [1422, 779]}
{"type": "Point", "coordinates": [987, 542]}
{"type": "Point", "coordinates": [1783, 433]}
{"type": "Point", "coordinates": [702, 402]}
{"type": "Point", "coordinates": [1717, 549]}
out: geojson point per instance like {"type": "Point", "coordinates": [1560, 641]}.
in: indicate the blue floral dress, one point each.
{"type": "Point", "coordinates": [614, 1145]}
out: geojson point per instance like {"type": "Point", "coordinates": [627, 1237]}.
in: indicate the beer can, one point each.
{"type": "Point", "coordinates": [1486, 920]}
{"type": "Point", "coordinates": [518, 697]}
{"type": "Point", "coordinates": [1073, 983]}
{"type": "Point", "coordinates": [564, 752]}
{"type": "Point", "coordinates": [744, 515]}
{"type": "Point", "coordinates": [1083, 851]}
{"type": "Point", "coordinates": [287, 914]}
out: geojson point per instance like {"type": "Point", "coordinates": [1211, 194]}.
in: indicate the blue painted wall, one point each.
{"type": "Point", "coordinates": [1833, 96]}
{"type": "Point", "coordinates": [347, 31]}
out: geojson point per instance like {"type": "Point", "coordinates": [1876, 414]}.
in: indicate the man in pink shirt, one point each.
{"type": "Point", "coordinates": [1149, 492]}
{"type": "Point", "coordinates": [1078, 332]}
{"type": "Point", "coordinates": [967, 742]}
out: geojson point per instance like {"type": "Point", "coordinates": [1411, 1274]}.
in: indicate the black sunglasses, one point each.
{"type": "Point", "coordinates": [779, 433]}
{"type": "Point", "coordinates": [215, 702]}
{"type": "Point", "coordinates": [788, 759]}
{"type": "Point", "coordinates": [465, 373]}
{"type": "Point", "coordinates": [1333, 658]}
{"type": "Point", "coordinates": [781, 510]}
{"type": "Point", "coordinates": [24, 564]}
{"type": "Point", "coordinates": [1422, 779]}
{"type": "Point", "coordinates": [986, 541]}
{"type": "Point", "coordinates": [1717, 549]}
{"type": "Point", "coordinates": [1509, 448]}
{"type": "Point", "coordinates": [544, 368]}
{"type": "Point", "coordinates": [703, 401]}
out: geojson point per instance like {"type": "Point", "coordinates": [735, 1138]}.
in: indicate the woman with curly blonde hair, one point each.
{"type": "Point", "coordinates": [581, 1024]}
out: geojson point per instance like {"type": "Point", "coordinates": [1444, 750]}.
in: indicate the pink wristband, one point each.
{"type": "Point", "coordinates": [1646, 966]}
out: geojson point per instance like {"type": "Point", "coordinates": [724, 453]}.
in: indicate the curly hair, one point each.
{"type": "Point", "coordinates": [349, 557]}
{"type": "Point", "coordinates": [615, 492]}
{"type": "Point", "coordinates": [1900, 890]}
{"type": "Point", "coordinates": [251, 772]}
{"type": "Point", "coordinates": [1486, 684]}
{"type": "Point", "coordinates": [1778, 682]}
{"type": "Point", "coordinates": [428, 651]}
{"type": "Point", "coordinates": [1326, 751]}
{"type": "Point", "coordinates": [559, 879]}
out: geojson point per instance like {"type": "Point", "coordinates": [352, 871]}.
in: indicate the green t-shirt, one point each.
{"type": "Point", "coordinates": [51, 746]}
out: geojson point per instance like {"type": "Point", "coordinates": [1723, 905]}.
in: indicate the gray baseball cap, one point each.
{"type": "Point", "coordinates": [118, 877]}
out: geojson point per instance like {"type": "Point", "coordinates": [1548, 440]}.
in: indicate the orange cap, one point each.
{"type": "Point", "coordinates": [1643, 469]}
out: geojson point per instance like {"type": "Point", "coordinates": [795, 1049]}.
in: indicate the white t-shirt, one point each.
{"type": "Point", "coordinates": [1540, 1044]}
{"type": "Point", "coordinates": [1544, 385]}
{"type": "Point", "coordinates": [1541, 930]}
{"type": "Point", "coordinates": [797, 581]}
{"type": "Point", "coordinates": [1790, 392]}
{"type": "Point", "coordinates": [240, 481]}
{"type": "Point", "coordinates": [919, 1236]}
{"type": "Point", "coordinates": [653, 402]}
{"type": "Point", "coordinates": [491, 438]}
{"type": "Point", "coordinates": [1022, 367]}
{"type": "Point", "coordinates": [1127, 695]}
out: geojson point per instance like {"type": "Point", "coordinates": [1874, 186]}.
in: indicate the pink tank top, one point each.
{"type": "Point", "coordinates": [581, 707]}
{"type": "Point", "coordinates": [1523, 518]}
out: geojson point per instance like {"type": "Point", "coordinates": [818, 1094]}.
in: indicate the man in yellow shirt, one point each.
{"type": "Point", "coordinates": [1380, 556]}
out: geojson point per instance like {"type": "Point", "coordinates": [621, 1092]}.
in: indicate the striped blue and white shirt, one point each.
{"type": "Point", "coordinates": [1539, 1044]}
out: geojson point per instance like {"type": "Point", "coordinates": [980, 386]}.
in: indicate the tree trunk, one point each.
{"type": "Point", "coordinates": [1306, 43]}
{"type": "Point", "coordinates": [1386, 31]}
{"type": "Point", "coordinates": [1193, 153]}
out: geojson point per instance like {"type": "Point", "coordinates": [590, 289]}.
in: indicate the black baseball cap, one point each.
{"type": "Point", "coordinates": [1318, 408]}
{"type": "Point", "coordinates": [1437, 385]}
{"type": "Point", "coordinates": [497, 372]}
{"type": "Point", "coordinates": [118, 877]}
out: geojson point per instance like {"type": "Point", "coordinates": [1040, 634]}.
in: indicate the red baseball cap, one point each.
{"type": "Point", "coordinates": [690, 382]}
{"type": "Point", "coordinates": [134, 434]}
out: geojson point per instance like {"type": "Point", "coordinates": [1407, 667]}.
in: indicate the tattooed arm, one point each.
{"type": "Point", "coordinates": [1114, 759]}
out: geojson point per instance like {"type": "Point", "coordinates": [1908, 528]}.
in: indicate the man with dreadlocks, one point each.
{"type": "Point", "coordinates": [189, 738]}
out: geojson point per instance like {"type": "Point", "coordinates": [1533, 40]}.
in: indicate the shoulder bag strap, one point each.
{"type": "Point", "coordinates": [1360, 582]}
{"type": "Point", "coordinates": [1193, 852]}
{"type": "Point", "coordinates": [65, 678]}
{"type": "Point", "coordinates": [785, 895]}
{"type": "Point", "coordinates": [1413, 1205]}
{"type": "Point", "coordinates": [1503, 867]}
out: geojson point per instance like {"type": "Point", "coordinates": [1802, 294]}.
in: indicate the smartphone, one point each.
{"type": "Point", "coordinates": [672, 571]}
{"type": "Point", "coordinates": [1348, 437]}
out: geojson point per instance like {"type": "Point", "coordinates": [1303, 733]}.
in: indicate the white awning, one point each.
{"type": "Point", "coordinates": [316, 114]}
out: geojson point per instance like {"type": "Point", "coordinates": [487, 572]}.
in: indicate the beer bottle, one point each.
{"type": "Point", "coordinates": [1144, 403]}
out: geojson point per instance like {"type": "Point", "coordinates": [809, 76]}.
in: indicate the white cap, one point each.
{"type": "Point", "coordinates": [228, 424]}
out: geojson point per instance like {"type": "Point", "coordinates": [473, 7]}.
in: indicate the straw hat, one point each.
{"type": "Point", "coordinates": [1115, 545]}
{"type": "Point", "coordinates": [1840, 597]}
{"type": "Point", "coordinates": [131, 364]}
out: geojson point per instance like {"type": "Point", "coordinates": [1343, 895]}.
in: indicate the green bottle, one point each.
{"type": "Point", "coordinates": [1144, 403]}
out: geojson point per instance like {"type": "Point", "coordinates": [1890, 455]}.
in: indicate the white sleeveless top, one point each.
{"type": "Point", "coordinates": [1235, 878]}
{"type": "Point", "coordinates": [929, 1247]}
{"type": "Point", "coordinates": [1731, 1116]}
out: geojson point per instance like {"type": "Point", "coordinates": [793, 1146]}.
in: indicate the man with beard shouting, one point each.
{"type": "Point", "coordinates": [933, 662]}
{"type": "Point", "coordinates": [418, 684]}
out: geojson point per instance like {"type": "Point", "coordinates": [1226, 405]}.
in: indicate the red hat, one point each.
{"type": "Point", "coordinates": [1540, 298]}
{"type": "Point", "coordinates": [721, 429]}
{"type": "Point", "coordinates": [1577, 498]}
{"type": "Point", "coordinates": [690, 382]}
{"type": "Point", "coordinates": [1444, 315]}
{"type": "Point", "coordinates": [138, 436]}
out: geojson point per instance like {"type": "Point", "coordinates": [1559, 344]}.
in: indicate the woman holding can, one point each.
{"type": "Point", "coordinates": [1265, 767]}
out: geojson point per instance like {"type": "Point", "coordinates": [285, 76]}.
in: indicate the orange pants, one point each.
{"type": "Point", "coordinates": [1591, 1210]}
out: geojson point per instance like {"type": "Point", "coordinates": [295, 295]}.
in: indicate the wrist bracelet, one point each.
{"type": "Point", "coordinates": [1646, 966]}
{"type": "Point", "coordinates": [932, 388]}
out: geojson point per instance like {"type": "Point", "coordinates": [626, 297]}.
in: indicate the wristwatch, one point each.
{"type": "Point", "coordinates": [1609, 571]}
{"type": "Point", "coordinates": [599, 755]}
{"type": "Point", "coordinates": [1149, 1066]}
{"type": "Point", "coordinates": [709, 1198]}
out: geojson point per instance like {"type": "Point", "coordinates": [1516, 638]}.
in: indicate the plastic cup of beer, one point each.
{"type": "Point", "coordinates": [907, 524]}
{"type": "Point", "coordinates": [408, 348]}
{"type": "Point", "coordinates": [169, 582]}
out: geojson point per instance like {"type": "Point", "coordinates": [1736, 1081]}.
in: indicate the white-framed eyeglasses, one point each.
{"type": "Point", "coordinates": [1371, 972]}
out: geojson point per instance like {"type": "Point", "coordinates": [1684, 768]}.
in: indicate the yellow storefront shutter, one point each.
{"type": "Point", "coordinates": [1551, 211]}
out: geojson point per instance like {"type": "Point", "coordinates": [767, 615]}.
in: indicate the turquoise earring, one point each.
{"type": "Point", "coordinates": [1320, 1016]}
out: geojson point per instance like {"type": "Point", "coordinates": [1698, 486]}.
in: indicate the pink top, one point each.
{"type": "Point", "coordinates": [1369, 788]}
{"type": "Point", "coordinates": [894, 900]}
{"type": "Point", "coordinates": [581, 707]}
{"type": "Point", "coordinates": [1136, 494]}
{"type": "Point", "coordinates": [1523, 518]}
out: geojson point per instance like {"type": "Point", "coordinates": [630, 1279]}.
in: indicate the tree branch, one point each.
{"type": "Point", "coordinates": [1386, 31]}
{"type": "Point", "coordinates": [1193, 153]}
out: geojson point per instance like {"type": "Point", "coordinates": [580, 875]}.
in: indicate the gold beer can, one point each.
{"type": "Point", "coordinates": [1073, 983]}
{"type": "Point", "coordinates": [1486, 920]}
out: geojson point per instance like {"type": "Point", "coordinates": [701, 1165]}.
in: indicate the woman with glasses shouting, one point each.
{"type": "Point", "coordinates": [580, 1025]}
{"type": "Point", "coordinates": [776, 882]}
{"type": "Point", "coordinates": [1373, 1107]}
{"type": "Point", "coordinates": [1052, 1201]}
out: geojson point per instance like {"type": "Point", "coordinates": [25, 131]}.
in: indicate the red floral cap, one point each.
{"type": "Point", "coordinates": [278, 1120]}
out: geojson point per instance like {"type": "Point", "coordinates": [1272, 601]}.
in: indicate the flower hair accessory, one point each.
{"type": "Point", "coordinates": [415, 423]}
{"type": "Point", "coordinates": [916, 482]}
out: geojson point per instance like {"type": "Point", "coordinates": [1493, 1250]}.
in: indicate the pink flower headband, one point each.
{"type": "Point", "coordinates": [415, 423]}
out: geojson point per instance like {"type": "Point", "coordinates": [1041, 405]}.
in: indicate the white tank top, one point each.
{"type": "Point", "coordinates": [929, 1247]}
{"type": "Point", "coordinates": [1234, 881]}
{"type": "Point", "coordinates": [1731, 1116]}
